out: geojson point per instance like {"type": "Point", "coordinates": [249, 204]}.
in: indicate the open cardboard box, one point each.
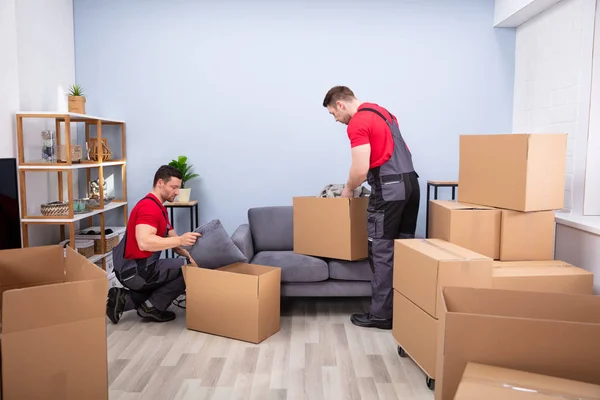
{"type": "Point", "coordinates": [554, 334]}
{"type": "Point", "coordinates": [332, 227]}
{"type": "Point", "coordinates": [239, 301]}
{"type": "Point", "coordinates": [53, 307]}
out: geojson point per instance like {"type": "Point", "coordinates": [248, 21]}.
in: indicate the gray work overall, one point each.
{"type": "Point", "coordinates": [158, 280]}
{"type": "Point", "coordinates": [392, 214]}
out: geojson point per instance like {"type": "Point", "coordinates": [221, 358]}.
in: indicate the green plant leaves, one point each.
{"type": "Point", "coordinates": [75, 90]}
{"type": "Point", "coordinates": [185, 169]}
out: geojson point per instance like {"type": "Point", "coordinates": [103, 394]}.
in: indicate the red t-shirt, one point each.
{"type": "Point", "coordinates": [366, 127]}
{"type": "Point", "coordinates": [148, 212]}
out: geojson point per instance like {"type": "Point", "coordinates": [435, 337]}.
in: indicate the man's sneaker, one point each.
{"type": "Point", "coordinates": [116, 303]}
{"type": "Point", "coordinates": [368, 321]}
{"type": "Point", "coordinates": [153, 313]}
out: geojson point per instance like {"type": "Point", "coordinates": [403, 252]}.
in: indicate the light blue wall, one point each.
{"type": "Point", "coordinates": [238, 87]}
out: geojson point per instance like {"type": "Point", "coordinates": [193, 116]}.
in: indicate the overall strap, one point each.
{"type": "Point", "coordinates": [378, 113]}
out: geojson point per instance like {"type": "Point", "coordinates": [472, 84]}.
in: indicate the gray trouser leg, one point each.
{"type": "Point", "coordinates": [382, 256]}
{"type": "Point", "coordinates": [159, 282]}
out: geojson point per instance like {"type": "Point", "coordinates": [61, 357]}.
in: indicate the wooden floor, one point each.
{"type": "Point", "coordinates": [317, 354]}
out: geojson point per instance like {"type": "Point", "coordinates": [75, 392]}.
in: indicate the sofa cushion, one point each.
{"type": "Point", "coordinates": [215, 249]}
{"type": "Point", "coordinates": [294, 267]}
{"type": "Point", "coordinates": [350, 270]}
{"type": "Point", "coordinates": [272, 228]}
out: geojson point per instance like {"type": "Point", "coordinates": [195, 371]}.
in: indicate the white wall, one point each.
{"type": "Point", "coordinates": [37, 42]}
{"type": "Point", "coordinates": [9, 77]}
{"type": "Point", "coordinates": [592, 176]}
{"type": "Point", "coordinates": [552, 83]}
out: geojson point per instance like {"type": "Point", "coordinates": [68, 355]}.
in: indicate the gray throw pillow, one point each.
{"type": "Point", "coordinates": [215, 249]}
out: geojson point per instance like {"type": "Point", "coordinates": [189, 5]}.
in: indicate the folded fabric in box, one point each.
{"type": "Point", "coordinates": [214, 249]}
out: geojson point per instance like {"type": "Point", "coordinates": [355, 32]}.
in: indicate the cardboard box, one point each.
{"type": "Point", "coordinates": [521, 172]}
{"type": "Point", "coordinates": [481, 381]}
{"type": "Point", "coordinates": [53, 325]}
{"type": "Point", "coordinates": [500, 234]}
{"type": "Point", "coordinates": [240, 301]}
{"type": "Point", "coordinates": [527, 236]}
{"type": "Point", "coordinates": [331, 227]}
{"type": "Point", "coordinates": [552, 334]}
{"type": "Point", "coordinates": [473, 227]}
{"type": "Point", "coordinates": [542, 276]}
{"type": "Point", "coordinates": [416, 332]}
{"type": "Point", "coordinates": [423, 266]}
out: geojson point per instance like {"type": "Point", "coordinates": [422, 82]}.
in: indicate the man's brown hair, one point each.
{"type": "Point", "coordinates": [337, 93]}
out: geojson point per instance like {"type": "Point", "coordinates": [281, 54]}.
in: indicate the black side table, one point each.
{"type": "Point", "coordinates": [192, 206]}
{"type": "Point", "coordinates": [436, 185]}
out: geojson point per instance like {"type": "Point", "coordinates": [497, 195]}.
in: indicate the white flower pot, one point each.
{"type": "Point", "coordinates": [184, 195]}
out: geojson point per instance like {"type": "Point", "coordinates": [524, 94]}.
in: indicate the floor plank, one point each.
{"type": "Point", "coordinates": [317, 354]}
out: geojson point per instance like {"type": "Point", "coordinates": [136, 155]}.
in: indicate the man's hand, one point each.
{"type": "Point", "coordinates": [347, 193]}
{"type": "Point", "coordinates": [188, 238]}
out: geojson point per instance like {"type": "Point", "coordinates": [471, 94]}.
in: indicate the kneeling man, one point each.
{"type": "Point", "coordinates": [150, 283]}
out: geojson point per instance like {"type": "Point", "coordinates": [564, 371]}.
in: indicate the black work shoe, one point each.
{"type": "Point", "coordinates": [155, 314]}
{"type": "Point", "coordinates": [116, 303]}
{"type": "Point", "coordinates": [368, 321]}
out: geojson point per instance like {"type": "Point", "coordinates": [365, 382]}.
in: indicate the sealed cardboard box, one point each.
{"type": "Point", "coordinates": [527, 236]}
{"type": "Point", "coordinates": [53, 325]}
{"type": "Point", "coordinates": [423, 266]}
{"type": "Point", "coordinates": [416, 333]}
{"type": "Point", "coordinates": [552, 334]}
{"type": "Point", "coordinates": [240, 301]}
{"type": "Point", "coordinates": [473, 227]}
{"type": "Point", "coordinates": [331, 227]}
{"type": "Point", "coordinates": [542, 276]}
{"type": "Point", "coordinates": [488, 382]}
{"type": "Point", "coordinates": [521, 172]}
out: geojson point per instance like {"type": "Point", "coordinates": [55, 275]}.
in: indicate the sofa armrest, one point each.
{"type": "Point", "coordinates": [242, 237]}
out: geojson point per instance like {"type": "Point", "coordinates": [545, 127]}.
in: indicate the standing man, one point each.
{"type": "Point", "coordinates": [151, 283]}
{"type": "Point", "coordinates": [379, 155]}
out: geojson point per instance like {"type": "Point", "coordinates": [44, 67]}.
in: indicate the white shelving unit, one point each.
{"type": "Point", "coordinates": [65, 171]}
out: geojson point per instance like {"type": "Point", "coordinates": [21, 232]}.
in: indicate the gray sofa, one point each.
{"type": "Point", "coordinates": [268, 239]}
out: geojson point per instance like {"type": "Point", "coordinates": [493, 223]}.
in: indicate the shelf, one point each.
{"type": "Point", "coordinates": [64, 166]}
{"type": "Point", "coordinates": [74, 117]}
{"type": "Point", "coordinates": [63, 220]}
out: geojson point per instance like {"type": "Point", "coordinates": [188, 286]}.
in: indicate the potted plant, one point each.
{"type": "Point", "coordinates": [187, 174]}
{"type": "Point", "coordinates": [76, 99]}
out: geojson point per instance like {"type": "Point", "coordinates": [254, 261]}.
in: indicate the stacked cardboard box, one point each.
{"type": "Point", "coordinates": [421, 268]}
{"type": "Point", "coordinates": [509, 187]}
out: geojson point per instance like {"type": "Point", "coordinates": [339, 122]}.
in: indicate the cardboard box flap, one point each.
{"type": "Point", "coordinates": [77, 268]}
{"type": "Point", "coordinates": [51, 305]}
{"type": "Point", "coordinates": [20, 268]}
{"type": "Point", "coordinates": [455, 205]}
{"type": "Point", "coordinates": [442, 250]}
{"type": "Point", "coordinates": [229, 278]}
{"type": "Point", "coordinates": [481, 381]}
{"type": "Point", "coordinates": [566, 307]}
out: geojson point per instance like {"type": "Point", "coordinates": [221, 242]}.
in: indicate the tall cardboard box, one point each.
{"type": "Point", "coordinates": [542, 276]}
{"type": "Point", "coordinates": [421, 268]}
{"type": "Point", "coordinates": [471, 226]}
{"type": "Point", "coordinates": [488, 382]}
{"type": "Point", "coordinates": [521, 172]}
{"type": "Point", "coordinates": [553, 334]}
{"type": "Point", "coordinates": [331, 227]}
{"type": "Point", "coordinates": [53, 325]}
{"type": "Point", "coordinates": [527, 236]}
{"type": "Point", "coordinates": [240, 301]}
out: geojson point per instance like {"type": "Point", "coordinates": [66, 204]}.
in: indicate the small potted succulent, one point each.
{"type": "Point", "coordinates": [76, 99]}
{"type": "Point", "coordinates": [187, 174]}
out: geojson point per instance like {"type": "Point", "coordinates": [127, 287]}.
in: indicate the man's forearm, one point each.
{"type": "Point", "coordinates": [356, 178]}
{"type": "Point", "coordinates": [157, 243]}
